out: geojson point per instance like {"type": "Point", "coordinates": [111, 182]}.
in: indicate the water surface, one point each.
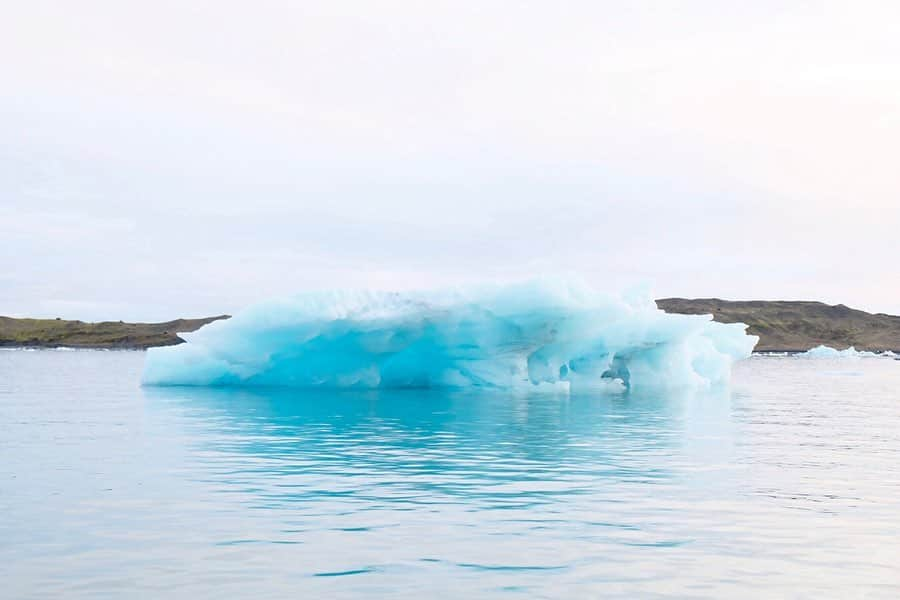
{"type": "Point", "coordinates": [786, 485]}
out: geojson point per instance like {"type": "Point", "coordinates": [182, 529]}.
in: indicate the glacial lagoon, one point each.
{"type": "Point", "coordinates": [784, 484]}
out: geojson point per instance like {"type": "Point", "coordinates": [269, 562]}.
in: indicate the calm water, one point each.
{"type": "Point", "coordinates": [786, 486]}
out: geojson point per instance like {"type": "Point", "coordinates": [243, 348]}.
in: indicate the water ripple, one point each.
{"type": "Point", "coordinates": [789, 485]}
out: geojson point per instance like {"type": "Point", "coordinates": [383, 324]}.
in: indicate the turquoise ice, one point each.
{"type": "Point", "coordinates": [548, 335]}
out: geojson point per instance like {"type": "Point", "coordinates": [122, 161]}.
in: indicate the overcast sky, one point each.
{"type": "Point", "coordinates": [163, 159]}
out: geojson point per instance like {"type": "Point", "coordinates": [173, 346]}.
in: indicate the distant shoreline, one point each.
{"type": "Point", "coordinates": [782, 326]}
{"type": "Point", "coordinates": [797, 326]}
{"type": "Point", "coordinates": [106, 335]}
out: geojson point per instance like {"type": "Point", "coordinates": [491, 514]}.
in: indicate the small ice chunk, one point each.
{"type": "Point", "coordinates": [823, 351]}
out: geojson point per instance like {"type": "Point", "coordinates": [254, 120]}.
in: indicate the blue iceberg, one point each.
{"type": "Point", "coordinates": [556, 335]}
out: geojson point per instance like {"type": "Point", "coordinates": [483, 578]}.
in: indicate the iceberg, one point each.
{"type": "Point", "coordinates": [548, 335]}
{"type": "Point", "coordinates": [823, 351]}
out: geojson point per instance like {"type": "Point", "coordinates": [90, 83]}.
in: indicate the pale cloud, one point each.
{"type": "Point", "coordinates": [162, 159]}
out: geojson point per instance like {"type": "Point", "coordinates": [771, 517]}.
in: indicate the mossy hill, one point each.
{"type": "Point", "coordinates": [52, 333]}
{"type": "Point", "coordinates": [793, 326]}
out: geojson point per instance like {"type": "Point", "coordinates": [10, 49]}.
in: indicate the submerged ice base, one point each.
{"type": "Point", "coordinates": [561, 335]}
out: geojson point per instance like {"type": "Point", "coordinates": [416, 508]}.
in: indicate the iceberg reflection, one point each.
{"type": "Point", "coordinates": [491, 449]}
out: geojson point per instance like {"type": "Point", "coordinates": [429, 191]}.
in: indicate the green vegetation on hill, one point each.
{"type": "Point", "coordinates": [797, 326]}
{"type": "Point", "coordinates": [51, 333]}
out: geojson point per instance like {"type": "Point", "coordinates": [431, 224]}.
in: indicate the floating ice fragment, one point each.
{"type": "Point", "coordinates": [540, 334]}
{"type": "Point", "coordinates": [823, 351]}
